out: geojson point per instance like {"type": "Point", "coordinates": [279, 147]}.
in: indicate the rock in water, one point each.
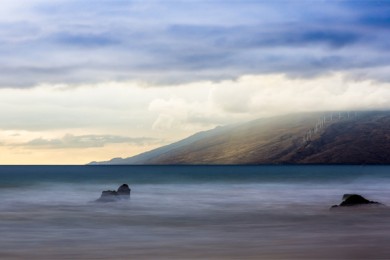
{"type": "Point", "coordinates": [108, 196]}
{"type": "Point", "coordinates": [123, 192]}
{"type": "Point", "coordinates": [355, 200]}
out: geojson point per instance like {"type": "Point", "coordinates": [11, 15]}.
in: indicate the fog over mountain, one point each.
{"type": "Point", "coordinates": [357, 137]}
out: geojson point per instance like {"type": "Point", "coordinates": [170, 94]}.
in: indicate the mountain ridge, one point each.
{"type": "Point", "coordinates": [307, 138]}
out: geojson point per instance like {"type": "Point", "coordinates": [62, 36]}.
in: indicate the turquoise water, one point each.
{"type": "Point", "coordinates": [29, 175]}
{"type": "Point", "coordinates": [192, 212]}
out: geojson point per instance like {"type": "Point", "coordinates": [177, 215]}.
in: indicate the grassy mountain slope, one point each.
{"type": "Point", "coordinates": [358, 138]}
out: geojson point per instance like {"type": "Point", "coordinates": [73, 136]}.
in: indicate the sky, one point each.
{"type": "Point", "coordinates": [91, 80]}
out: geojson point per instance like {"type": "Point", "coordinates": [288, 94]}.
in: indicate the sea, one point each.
{"type": "Point", "coordinates": [193, 212]}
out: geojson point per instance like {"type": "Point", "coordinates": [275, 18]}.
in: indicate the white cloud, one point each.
{"type": "Point", "coordinates": [267, 95]}
{"type": "Point", "coordinates": [178, 112]}
{"type": "Point", "coordinates": [254, 96]}
{"type": "Point", "coordinates": [125, 106]}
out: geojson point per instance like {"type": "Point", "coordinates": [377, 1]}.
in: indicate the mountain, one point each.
{"type": "Point", "coordinates": [326, 137]}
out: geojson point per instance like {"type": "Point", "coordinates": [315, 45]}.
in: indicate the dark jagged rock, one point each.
{"type": "Point", "coordinates": [355, 200]}
{"type": "Point", "coordinates": [108, 196]}
{"type": "Point", "coordinates": [122, 193]}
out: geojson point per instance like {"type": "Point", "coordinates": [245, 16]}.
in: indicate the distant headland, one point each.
{"type": "Point", "coordinates": [347, 137]}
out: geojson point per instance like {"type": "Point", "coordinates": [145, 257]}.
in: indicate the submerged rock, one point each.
{"type": "Point", "coordinates": [355, 200]}
{"type": "Point", "coordinates": [122, 193]}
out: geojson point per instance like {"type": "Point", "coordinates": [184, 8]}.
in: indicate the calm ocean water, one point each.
{"type": "Point", "coordinates": [193, 212]}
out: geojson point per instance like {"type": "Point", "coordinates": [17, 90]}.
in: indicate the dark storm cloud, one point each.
{"type": "Point", "coordinates": [182, 41]}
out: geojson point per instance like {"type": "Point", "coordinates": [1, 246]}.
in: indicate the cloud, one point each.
{"type": "Point", "coordinates": [178, 112]}
{"type": "Point", "coordinates": [85, 40]}
{"type": "Point", "coordinates": [52, 108]}
{"type": "Point", "coordinates": [170, 42]}
{"type": "Point", "coordinates": [175, 111]}
{"type": "Point", "coordinates": [256, 96]}
{"type": "Point", "coordinates": [85, 141]}
{"type": "Point", "coordinates": [373, 14]}
{"type": "Point", "coordinates": [277, 94]}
